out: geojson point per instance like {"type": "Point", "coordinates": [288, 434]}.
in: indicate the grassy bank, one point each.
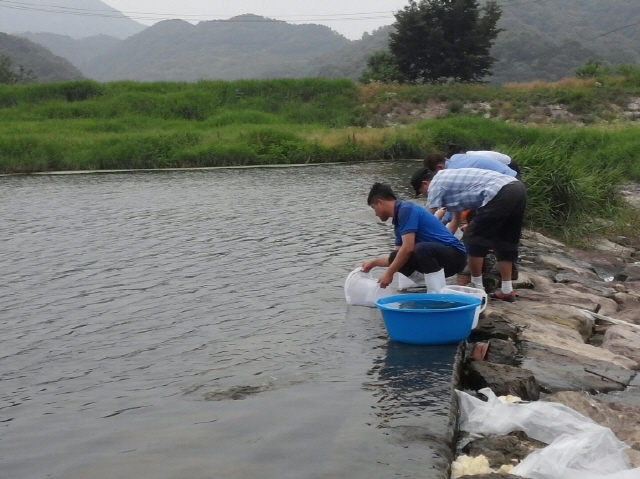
{"type": "Point", "coordinates": [573, 164]}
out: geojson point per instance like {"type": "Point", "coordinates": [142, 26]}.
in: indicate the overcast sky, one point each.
{"type": "Point", "coordinates": [351, 18]}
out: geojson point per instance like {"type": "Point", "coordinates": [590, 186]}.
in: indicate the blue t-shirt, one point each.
{"type": "Point", "coordinates": [477, 161]}
{"type": "Point", "coordinates": [411, 218]}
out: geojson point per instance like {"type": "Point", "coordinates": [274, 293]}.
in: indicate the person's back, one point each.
{"type": "Point", "coordinates": [465, 188]}
{"type": "Point", "coordinates": [476, 161]}
{"type": "Point", "coordinates": [411, 217]}
{"type": "Point", "coordinates": [494, 155]}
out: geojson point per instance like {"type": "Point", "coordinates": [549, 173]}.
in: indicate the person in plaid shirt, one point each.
{"type": "Point", "coordinates": [499, 201]}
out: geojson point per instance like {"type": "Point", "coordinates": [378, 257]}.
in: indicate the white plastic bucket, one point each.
{"type": "Point", "coordinates": [476, 292]}
{"type": "Point", "coordinates": [362, 289]}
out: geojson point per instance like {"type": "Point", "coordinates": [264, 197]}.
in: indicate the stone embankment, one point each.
{"type": "Point", "coordinates": [572, 337]}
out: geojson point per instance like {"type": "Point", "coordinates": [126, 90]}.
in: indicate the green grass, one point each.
{"type": "Point", "coordinates": [572, 172]}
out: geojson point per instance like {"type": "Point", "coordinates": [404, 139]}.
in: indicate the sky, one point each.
{"type": "Point", "coordinates": [350, 18]}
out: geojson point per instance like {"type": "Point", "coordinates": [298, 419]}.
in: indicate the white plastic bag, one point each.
{"type": "Point", "coordinates": [578, 448]}
{"type": "Point", "coordinates": [416, 280]}
{"type": "Point", "coordinates": [362, 289]}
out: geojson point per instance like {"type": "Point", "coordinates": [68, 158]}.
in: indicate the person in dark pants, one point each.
{"type": "Point", "coordinates": [422, 242]}
{"type": "Point", "coordinates": [499, 201]}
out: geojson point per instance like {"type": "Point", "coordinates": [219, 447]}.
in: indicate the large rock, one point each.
{"type": "Point", "coordinates": [504, 380]}
{"type": "Point", "coordinates": [495, 326]}
{"type": "Point", "coordinates": [557, 293]}
{"type": "Point", "coordinates": [499, 450]}
{"type": "Point", "coordinates": [620, 251]}
{"type": "Point", "coordinates": [566, 265]}
{"type": "Point", "coordinates": [624, 341]}
{"type": "Point", "coordinates": [544, 319]}
{"type": "Point", "coordinates": [562, 370]}
{"type": "Point", "coordinates": [631, 272]}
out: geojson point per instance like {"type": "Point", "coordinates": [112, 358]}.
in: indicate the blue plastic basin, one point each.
{"type": "Point", "coordinates": [428, 318]}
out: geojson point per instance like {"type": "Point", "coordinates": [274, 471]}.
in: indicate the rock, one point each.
{"type": "Point", "coordinates": [502, 379]}
{"type": "Point", "coordinates": [500, 450]}
{"type": "Point", "coordinates": [624, 341]}
{"type": "Point", "coordinates": [585, 285]}
{"type": "Point", "coordinates": [623, 419]}
{"type": "Point", "coordinates": [631, 272]}
{"type": "Point", "coordinates": [494, 326]}
{"type": "Point", "coordinates": [503, 352]}
{"type": "Point", "coordinates": [533, 239]}
{"type": "Point", "coordinates": [553, 320]}
{"type": "Point", "coordinates": [546, 291]}
{"type": "Point", "coordinates": [609, 246]}
{"type": "Point", "coordinates": [561, 370]}
{"type": "Point", "coordinates": [557, 263]}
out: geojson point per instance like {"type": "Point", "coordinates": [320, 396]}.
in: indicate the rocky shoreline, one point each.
{"type": "Point", "coordinates": [572, 337]}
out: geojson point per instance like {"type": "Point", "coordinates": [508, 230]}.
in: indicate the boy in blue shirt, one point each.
{"type": "Point", "coordinates": [422, 242]}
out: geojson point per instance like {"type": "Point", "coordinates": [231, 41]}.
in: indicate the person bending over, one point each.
{"type": "Point", "coordinates": [494, 155]}
{"type": "Point", "coordinates": [422, 242]}
{"type": "Point", "coordinates": [499, 201]}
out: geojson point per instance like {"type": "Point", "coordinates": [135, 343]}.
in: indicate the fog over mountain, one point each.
{"type": "Point", "coordinates": [73, 18]}
{"type": "Point", "coordinates": [541, 40]}
{"type": "Point", "coordinates": [46, 66]}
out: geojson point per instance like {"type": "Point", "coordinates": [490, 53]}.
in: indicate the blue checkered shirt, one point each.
{"type": "Point", "coordinates": [465, 188]}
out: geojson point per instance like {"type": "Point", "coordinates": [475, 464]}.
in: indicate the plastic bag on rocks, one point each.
{"type": "Point", "coordinates": [578, 448]}
{"type": "Point", "coordinates": [361, 289]}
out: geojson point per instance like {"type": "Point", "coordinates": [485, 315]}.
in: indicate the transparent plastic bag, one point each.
{"type": "Point", "coordinates": [416, 280]}
{"type": "Point", "coordinates": [578, 448]}
{"type": "Point", "coordinates": [362, 289]}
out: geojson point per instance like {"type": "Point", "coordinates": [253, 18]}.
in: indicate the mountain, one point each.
{"type": "Point", "coordinates": [46, 66]}
{"type": "Point", "coordinates": [349, 61]}
{"type": "Point", "coordinates": [247, 46]}
{"type": "Point", "coordinates": [549, 40]}
{"type": "Point", "coordinates": [79, 51]}
{"type": "Point", "coordinates": [541, 40]}
{"type": "Point", "coordinates": [74, 18]}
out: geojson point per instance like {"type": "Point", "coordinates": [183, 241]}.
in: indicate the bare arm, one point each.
{"type": "Point", "coordinates": [456, 219]}
{"type": "Point", "coordinates": [372, 263]}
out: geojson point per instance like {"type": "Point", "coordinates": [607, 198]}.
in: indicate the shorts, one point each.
{"type": "Point", "coordinates": [498, 224]}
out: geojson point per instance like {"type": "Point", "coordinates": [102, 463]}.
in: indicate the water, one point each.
{"type": "Point", "coordinates": [425, 304]}
{"type": "Point", "coordinates": [192, 324]}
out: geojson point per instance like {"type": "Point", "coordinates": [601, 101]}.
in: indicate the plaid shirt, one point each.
{"type": "Point", "coordinates": [465, 188]}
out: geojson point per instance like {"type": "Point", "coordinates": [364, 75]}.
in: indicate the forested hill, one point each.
{"type": "Point", "coordinates": [548, 39]}
{"type": "Point", "coordinates": [247, 46]}
{"type": "Point", "coordinates": [541, 39]}
{"type": "Point", "coordinates": [45, 66]}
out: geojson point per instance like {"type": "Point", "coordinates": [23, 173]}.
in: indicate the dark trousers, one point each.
{"type": "Point", "coordinates": [431, 257]}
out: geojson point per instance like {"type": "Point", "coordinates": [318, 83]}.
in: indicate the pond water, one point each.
{"type": "Point", "coordinates": [192, 324]}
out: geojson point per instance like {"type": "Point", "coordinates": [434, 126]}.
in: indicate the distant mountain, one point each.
{"type": "Point", "coordinates": [549, 40]}
{"type": "Point", "coordinates": [74, 18]}
{"type": "Point", "coordinates": [80, 52]}
{"type": "Point", "coordinates": [247, 46]}
{"type": "Point", "coordinates": [46, 66]}
{"type": "Point", "coordinates": [351, 59]}
{"type": "Point", "coordinates": [542, 40]}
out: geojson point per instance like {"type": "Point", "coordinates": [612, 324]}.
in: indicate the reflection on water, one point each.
{"type": "Point", "coordinates": [192, 325]}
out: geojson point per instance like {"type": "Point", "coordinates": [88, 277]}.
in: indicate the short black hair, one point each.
{"type": "Point", "coordinates": [433, 160]}
{"type": "Point", "coordinates": [423, 174]}
{"type": "Point", "coordinates": [380, 191]}
{"type": "Point", "coordinates": [454, 150]}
